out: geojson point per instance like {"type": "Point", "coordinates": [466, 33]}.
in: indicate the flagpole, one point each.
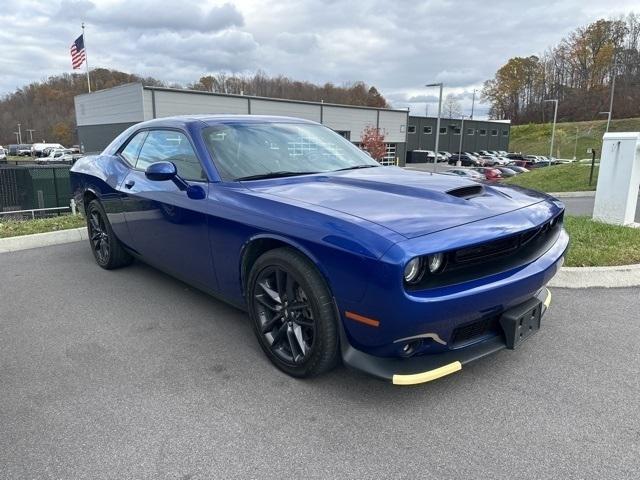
{"type": "Point", "coordinates": [86, 57]}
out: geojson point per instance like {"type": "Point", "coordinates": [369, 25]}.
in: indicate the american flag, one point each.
{"type": "Point", "coordinates": [78, 55]}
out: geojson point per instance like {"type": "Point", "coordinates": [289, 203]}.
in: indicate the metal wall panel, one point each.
{"type": "Point", "coordinates": [353, 120]}
{"type": "Point", "coordinates": [190, 103]}
{"type": "Point", "coordinates": [394, 125]}
{"type": "Point", "coordinates": [94, 138]}
{"type": "Point", "coordinates": [287, 109]}
{"type": "Point", "coordinates": [115, 105]}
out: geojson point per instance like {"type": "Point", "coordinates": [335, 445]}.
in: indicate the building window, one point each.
{"type": "Point", "coordinates": [412, 129]}
{"type": "Point", "coordinates": [344, 133]}
{"type": "Point", "coordinates": [456, 130]}
{"type": "Point", "coordinates": [427, 130]}
{"type": "Point", "coordinates": [482, 132]}
{"type": "Point", "coordinates": [470, 131]}
{"type": "Point", "coordinates": [505, 133]}
{"type": "Point", "coordinates": [390, 155]}
{"type": "Point", "coordinates": [443, 130]}
{"type": "Point", "coordinates": [494, 133]}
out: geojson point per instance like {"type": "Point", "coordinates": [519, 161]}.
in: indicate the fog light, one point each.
{"type": "Point", "coordinates": [410, 348]}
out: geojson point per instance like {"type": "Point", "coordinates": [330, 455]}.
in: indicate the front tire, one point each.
{"type": "Point", "coordinates": [107, 249]}
{"type": "Point", "coordinates": [292, 313]}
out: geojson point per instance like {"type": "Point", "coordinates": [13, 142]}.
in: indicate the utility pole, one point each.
{"type": "Point", "coordinates": [553, 130]}
{"type": "Point", "coordinates": [19, 134]}
{"type": "Point", "coordinates": [575, 148]}
{"type": "Point", "coordinates": [30, 130]}
{"type": "Point", "coordinates": [473, 104]}
{"type": "Point", "coordinates": [435, 153]}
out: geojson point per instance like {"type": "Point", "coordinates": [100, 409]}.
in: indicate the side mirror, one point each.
{"type": "Point", "coordinates": [161, 171]}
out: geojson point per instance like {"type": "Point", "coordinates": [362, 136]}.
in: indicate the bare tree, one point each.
{"type": "Point", "coordinates": [451, 107]}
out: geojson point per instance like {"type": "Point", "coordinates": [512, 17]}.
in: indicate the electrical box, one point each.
{"type": "Point", "coordinates": [618, 179]}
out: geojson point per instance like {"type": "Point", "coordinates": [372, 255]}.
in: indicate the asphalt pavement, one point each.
{"type": "Point", "coordinates": [132, 374]}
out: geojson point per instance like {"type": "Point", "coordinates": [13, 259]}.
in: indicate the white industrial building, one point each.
{"type": "Point", "coordinates": [102, 115]}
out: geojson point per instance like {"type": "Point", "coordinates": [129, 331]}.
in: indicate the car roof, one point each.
{"type": "Point", "coordinates": [184, 120]}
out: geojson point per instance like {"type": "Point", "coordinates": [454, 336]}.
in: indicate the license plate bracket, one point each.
{"type": "Point", "coordinates": [521, 322]}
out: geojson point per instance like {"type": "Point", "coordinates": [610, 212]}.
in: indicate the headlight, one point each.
{"type": "Point", "coordinates": [435, 262]}
{"type": "Point", "coordinates": [413, 270]}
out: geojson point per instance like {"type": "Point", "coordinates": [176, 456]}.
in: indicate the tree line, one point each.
{"type": "Point", "coordinates": [578, 71]}
{"type": "Point", "coordinates": [47, 107]}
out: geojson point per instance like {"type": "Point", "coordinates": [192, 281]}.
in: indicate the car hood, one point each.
{"type": "Point", "coordinates": [407, 202]}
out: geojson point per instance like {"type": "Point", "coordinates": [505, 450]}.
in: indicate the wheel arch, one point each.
{"type": "Point", "coordinates": [262, 243]}
{"type": "Point", "coordinates": [88, 196]}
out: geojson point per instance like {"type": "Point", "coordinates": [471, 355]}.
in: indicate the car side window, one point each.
{"type": "Point", "coordinates": [130, 152]}
{"type": "Point", "coordinates": [174, 147]}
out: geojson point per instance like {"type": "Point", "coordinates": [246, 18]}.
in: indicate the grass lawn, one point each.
{"type": "Point", "coordinates": [13, 228]}
{"type": "Point", "coordinates": [534, 138]}
{"type": "Point", "coordinates": [557, 178]}
{"type": "Point", "coordinates": [595, 244]}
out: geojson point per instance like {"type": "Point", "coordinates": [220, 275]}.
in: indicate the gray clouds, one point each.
{"type": "Point", "coordinates": [397, 46]}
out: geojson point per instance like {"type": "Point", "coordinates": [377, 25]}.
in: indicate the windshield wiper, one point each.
{"type": "Point", "coordinates": [355, 167]}
{"type": "Point", "coordinates": [279, 174]}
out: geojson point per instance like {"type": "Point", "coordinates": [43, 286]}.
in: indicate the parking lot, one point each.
{"type": "Point", "coordinates": [132, 374]}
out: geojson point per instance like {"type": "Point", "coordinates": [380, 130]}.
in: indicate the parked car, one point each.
{"type": "Point", "coordinates": [465, 172]}
{"type": "Point", "coordinates": [445, 156]}
{"type": "Point", "coordinates": [465, 160]}
{"type": "Point", "coordinates": [37, 149]}
{"type": "Point", "coordinates": [490, 173]}
{"type": "Point", "coordinates": [24, 150]}
{"type": "Point", "coordinates": [520, 160]}
{"type": "Point", "coordinates": [517, 168]}
{"type": "Point", "coordinates": [3, 154]}
{"type": "Point", "coordinates": [404, 275]}
{"type": "Point", "coordinates": [506, 171]}
{"type": "Point", "coordinates": [13, 149]}
{"type": "Point", "coordinates": [57, 155]}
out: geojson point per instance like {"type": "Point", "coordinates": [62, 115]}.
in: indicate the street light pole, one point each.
{"type": "Point", "coordinates": [553, 130]}
{"type": "Point", "coordinates": [473, 103]}
{"type": "Point", "coordinates": [19, 134]}
{"type": "Point", "coordinates": [461, 136]}
{"type": "Point", "coordinates": [435, 154]}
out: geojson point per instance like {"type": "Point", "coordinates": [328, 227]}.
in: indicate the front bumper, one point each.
{"type": "Point", "coordinates": [425, 368]}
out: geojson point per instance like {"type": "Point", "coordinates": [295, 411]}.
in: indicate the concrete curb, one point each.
{"type": "Point", "coordinates": [24, 242]}
{"type": "Point", "coordinates": [597, 277]}
{"type": "Point", "coordinates": [588, 193]}
{"type": "Point", "coordinates": [567, 277]}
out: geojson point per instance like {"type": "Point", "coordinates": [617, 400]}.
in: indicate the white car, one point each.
{"type": "Point", "coordinates": [57, 155]}
{"type": "Point", "coordinates": [37, 148]}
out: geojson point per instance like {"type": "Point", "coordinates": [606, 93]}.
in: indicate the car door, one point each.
{"type": "Point", "coordinates": [168, 228]}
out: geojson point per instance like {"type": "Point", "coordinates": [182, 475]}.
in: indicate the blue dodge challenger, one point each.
{"type": "Point", "coordinates": [404, 275]}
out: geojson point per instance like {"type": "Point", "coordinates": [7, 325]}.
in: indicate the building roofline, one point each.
{"type": "Point", "coordinates": [256, 97]}
{"type": "Point", "coordinates": [271, 99]}
{"type": "Point", "coordinates": [466, 120]}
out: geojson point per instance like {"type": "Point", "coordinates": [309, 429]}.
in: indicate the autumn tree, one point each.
{"type": "Point", "coordinates": [372, 141]}
{"type": "Point", "coordinates": [578, 71]}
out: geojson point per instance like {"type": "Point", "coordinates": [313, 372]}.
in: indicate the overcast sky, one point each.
{"type": "Point", "coordinates": [398, 46]}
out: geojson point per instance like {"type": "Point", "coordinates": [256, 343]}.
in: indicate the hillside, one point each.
{"type": "Point", "coordinates": [535, 138]}
{"type": "Point", "coordinates": [47, 106]}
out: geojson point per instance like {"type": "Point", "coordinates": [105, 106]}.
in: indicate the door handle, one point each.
{"type": "Point", "coordinates": [129, 184]}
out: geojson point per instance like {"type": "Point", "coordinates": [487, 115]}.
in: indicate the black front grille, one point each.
{"type": "Point", "coordinates": [470, 331]}
{"type": "Point", "coordinates": [479, 260]}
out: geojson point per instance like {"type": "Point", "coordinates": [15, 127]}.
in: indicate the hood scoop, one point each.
{"type": "Point", "coordinates": [467, 192]}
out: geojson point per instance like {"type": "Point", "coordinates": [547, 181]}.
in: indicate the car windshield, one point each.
{"type": "Point", "coordinates": [261, 150]}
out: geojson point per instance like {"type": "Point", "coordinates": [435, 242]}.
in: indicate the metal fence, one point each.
{"type": "Point", "coordinates": [34, 187]}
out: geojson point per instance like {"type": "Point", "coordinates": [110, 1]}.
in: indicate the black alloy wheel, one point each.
{"type": "Point", "coordinates": [107, 249]}
{"type": "Point", "coordinates": [293, 313]}
{"type": "Point", "coordinates": [286, 319]}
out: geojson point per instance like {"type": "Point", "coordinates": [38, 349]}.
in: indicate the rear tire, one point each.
{"type": "Point", "coordinates": [107, 249]}
{"type": "Point", "coordinates": [292, 313]}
